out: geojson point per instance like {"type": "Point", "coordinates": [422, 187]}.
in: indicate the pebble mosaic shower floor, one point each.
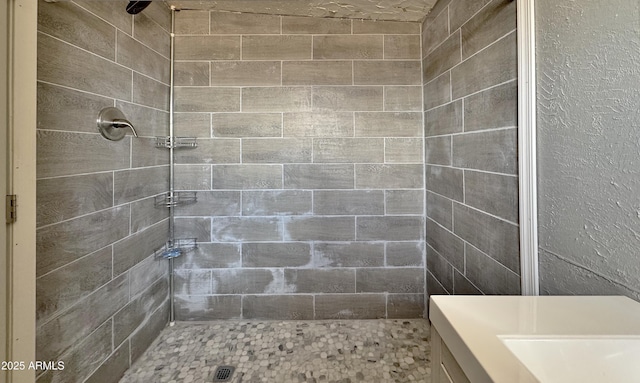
{"type": "Point", "coordinates": [350, 351]}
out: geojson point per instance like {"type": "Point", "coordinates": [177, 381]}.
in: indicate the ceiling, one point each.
{"type": "Point", "coordinates": [396, 10]}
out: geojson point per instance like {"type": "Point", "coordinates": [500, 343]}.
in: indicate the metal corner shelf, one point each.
{"type": "Point", "coordinates": [176, 248]}
{"type": "Point", "coordinates": [177, 142]}
{"type": "Point", "coordinates": [180, 198]}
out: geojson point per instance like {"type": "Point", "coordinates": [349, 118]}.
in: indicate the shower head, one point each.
{"type": "Point", "coordinates": [135, 7]}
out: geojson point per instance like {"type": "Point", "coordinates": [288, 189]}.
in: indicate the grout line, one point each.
{"type": "Point", "coordinates": [452, 156]}
{"type": "Point", "coordinates": [461, 55]}
{"type": "Point", "coordinates": [503, 37]}
{"type": "Point", "coordinates": [79, 174]}
{"type": "Point", "coordinates": [115, 56]}
{"type": "Point", "coordinates": [487, 213]}
{"type": "Point", "coordinates": [448, 9]}
{"type": "Point", "coordinates": [384, 53]}
{"type": "Point", "coordinates": [462, 114]}
{"type": "Point", "coordinates": [131, 152]}
{"type": "Point", "coordinates": [211, 135]}
{"type": "Point", "coordinates": [313, 298]}
{"type": "Point", "coordinates": [80, 259]}
{"type": "Point", "coordinates": [98, 211]}
{"type": "Point", "coordinates": [450, 86]}
{"type": "Point", "coordinates": [211, 186]}
{"type": "Point", "coordinates": [113, 262]}
{"type": "Point", "coordinates": [113, 339]}
{"type": "Point", "coordinates": [103, 96]}
{"type": "Point", "coordinates": [84, 50]}
{"type": "Point", "coordinates": [464, 188]}
{"type": "Point", "coordinates": [490, 130]}
{"type": "Point", "coordinates": [500, 264]}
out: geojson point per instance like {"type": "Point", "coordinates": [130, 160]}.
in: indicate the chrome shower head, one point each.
{"type": "Point", "coordinates": [135, 7]}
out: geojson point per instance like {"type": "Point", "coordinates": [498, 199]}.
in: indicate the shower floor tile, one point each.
{"type": "Point", "coordinates": [289, 352]}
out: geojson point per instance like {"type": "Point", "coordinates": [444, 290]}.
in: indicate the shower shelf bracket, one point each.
{"type": "Point", "coordinates": [180, 198]}
{"type": "Point", "coordinates": [177, 142]}
{"type": "Point", "coordinates": [176, 248]}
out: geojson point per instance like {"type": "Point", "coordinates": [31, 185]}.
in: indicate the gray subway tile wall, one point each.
{"type": "Point", "coordinates": [313, 127]}
{"type": "Point", "coordinates": [101, 295]}
{"type": "Point", "coordinates": [470, 106]}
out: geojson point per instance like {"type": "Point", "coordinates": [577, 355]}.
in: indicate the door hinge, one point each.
{"type": "Point", "coordinates": [12, 208]}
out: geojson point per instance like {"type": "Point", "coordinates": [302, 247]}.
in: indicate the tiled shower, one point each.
{"type": "Point", "coordinates": [345, 169]}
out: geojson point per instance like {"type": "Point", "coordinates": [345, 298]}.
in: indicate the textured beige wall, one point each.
{"type": "Point", "coordinates": [309, 168]}
{"type": "Point", "coordinates": [588, 147]}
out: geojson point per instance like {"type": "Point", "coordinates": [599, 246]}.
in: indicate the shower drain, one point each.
{"type": "Point", "coordinates": [223, 374]}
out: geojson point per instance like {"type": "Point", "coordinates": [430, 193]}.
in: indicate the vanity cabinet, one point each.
{"type": "Point", "coordinates": [444, 367]}
{"type": "Point", "coordinates": [533, 339]}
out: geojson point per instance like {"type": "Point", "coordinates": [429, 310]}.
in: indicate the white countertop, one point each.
{"type": "Point", "coordinates": [472, 327]}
